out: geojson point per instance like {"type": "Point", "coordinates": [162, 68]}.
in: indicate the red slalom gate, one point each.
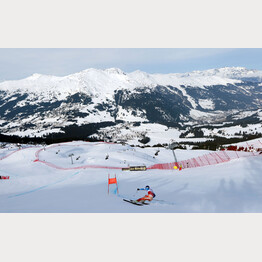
{"type": "Point", "coordinates": [112, 181]}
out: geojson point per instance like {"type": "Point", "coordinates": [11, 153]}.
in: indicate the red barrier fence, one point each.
{"type": "Point", "coordinates": [77, 167]}
{"type": "Point", "coordinates": [4, 177]}
{"type": "Point", "coordinates": [6, 156]}
{"type": "Point", "coordinates": [17, 150]}
{"type": "Point", "coordinates": [213, 158]}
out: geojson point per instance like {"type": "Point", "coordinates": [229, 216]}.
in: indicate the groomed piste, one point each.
{"type": "Point", "coordinates": [73, 177]}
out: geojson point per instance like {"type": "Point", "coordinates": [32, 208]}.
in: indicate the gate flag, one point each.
{"type": "Point", "coordinates": [112, 181]}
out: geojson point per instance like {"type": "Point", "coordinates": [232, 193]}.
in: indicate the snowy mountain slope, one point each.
{"type": "Point", "coordinates": [35, 187]}
{"type": "Point", "coordinates": [94, 81]}
{"type": "Point", "coordinates": [42, 104]}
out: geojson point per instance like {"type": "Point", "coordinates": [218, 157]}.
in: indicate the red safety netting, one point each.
{"type": "Point", "coordinates": [37, 153]}
{"type": "Point", "coordinates": [17, 150]}
{"type": "Point", "coordinates": [213, 158]}
{"type": "Point", "coordinates": [1, 158]}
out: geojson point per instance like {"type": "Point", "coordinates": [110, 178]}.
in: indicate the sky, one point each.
{"type": "Point", "coordinates": [18, 63]}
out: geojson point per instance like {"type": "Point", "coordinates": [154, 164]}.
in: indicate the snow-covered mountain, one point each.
{"type": "Point", "coordinates": [91, 99]}
{"type": "Point", "coordinates": [95, 81]}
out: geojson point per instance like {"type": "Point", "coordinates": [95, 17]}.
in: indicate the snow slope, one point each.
{"type": "Point", "coordinates": [36, 187]}
{"type": "Point", "coordinates": [41, 104]}
{"type": "Point", "coordinates": [104, 82]}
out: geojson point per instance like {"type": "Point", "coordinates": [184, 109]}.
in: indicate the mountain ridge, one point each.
{"type": "Point", "coordinates": [44, 104]}
{"type": "Point", "coordinates": [90, 77]}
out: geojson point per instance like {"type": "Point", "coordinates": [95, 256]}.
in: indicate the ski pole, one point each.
{"type": "Point", "coordinates": [135, 193]}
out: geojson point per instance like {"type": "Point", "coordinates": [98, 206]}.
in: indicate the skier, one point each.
{"type": "Point", "coordinates": [150, 194]}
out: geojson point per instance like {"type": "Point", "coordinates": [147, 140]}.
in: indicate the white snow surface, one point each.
{"type": "Point", "coordinates": [158, 134]}
{"type": "Point", "coordinates": [233, 130]}
{"type": "Point", "coordinates": [34, 187]}
{"type": "Point", "coordinates": [255, 143]}
{"type": "Point", "coordinates": [104, 82]}
{"type": "Point", "coordinates": [206, 103]}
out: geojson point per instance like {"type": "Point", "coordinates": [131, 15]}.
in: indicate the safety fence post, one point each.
{"type": "Point", "coordinates": [211, 154]}
{"type": "Point", "coordinates": [203, 164]}
{"type": "Point", "coordinates": [237, 154]}
{"type": "Point", "coordinates": [228, 158]}
{"type": "Point", "coordinates": [219, 157]}
{"type": "Point", "coordinates": [205, 156]}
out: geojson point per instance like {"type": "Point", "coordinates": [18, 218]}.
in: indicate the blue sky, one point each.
{"type": "Point", "coordinates": [17, 63]}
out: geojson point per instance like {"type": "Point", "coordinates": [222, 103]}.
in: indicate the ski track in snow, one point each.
{"type": "Point", "coordinates": [45, 186]}
{"type": "Point", "coordinates": [34, 187]}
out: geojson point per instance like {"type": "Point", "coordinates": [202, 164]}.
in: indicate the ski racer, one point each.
{"type": "Point", "coordinates": [150, 194]}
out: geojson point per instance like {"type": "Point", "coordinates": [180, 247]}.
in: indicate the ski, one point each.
{"type": "Point", "coordinates": [145, 203]}
{"type": "Point", "coordinates": [133, 202]}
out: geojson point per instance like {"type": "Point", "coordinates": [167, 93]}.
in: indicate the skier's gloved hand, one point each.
{"type": "Point", "coordinates": [137, 189]}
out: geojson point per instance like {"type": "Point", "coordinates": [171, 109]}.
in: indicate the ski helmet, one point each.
{"type": "Point", "coordinates": [147, 187]}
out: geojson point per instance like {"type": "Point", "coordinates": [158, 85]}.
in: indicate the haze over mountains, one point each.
{"type": "Point", "coordinates": [85, 102]}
